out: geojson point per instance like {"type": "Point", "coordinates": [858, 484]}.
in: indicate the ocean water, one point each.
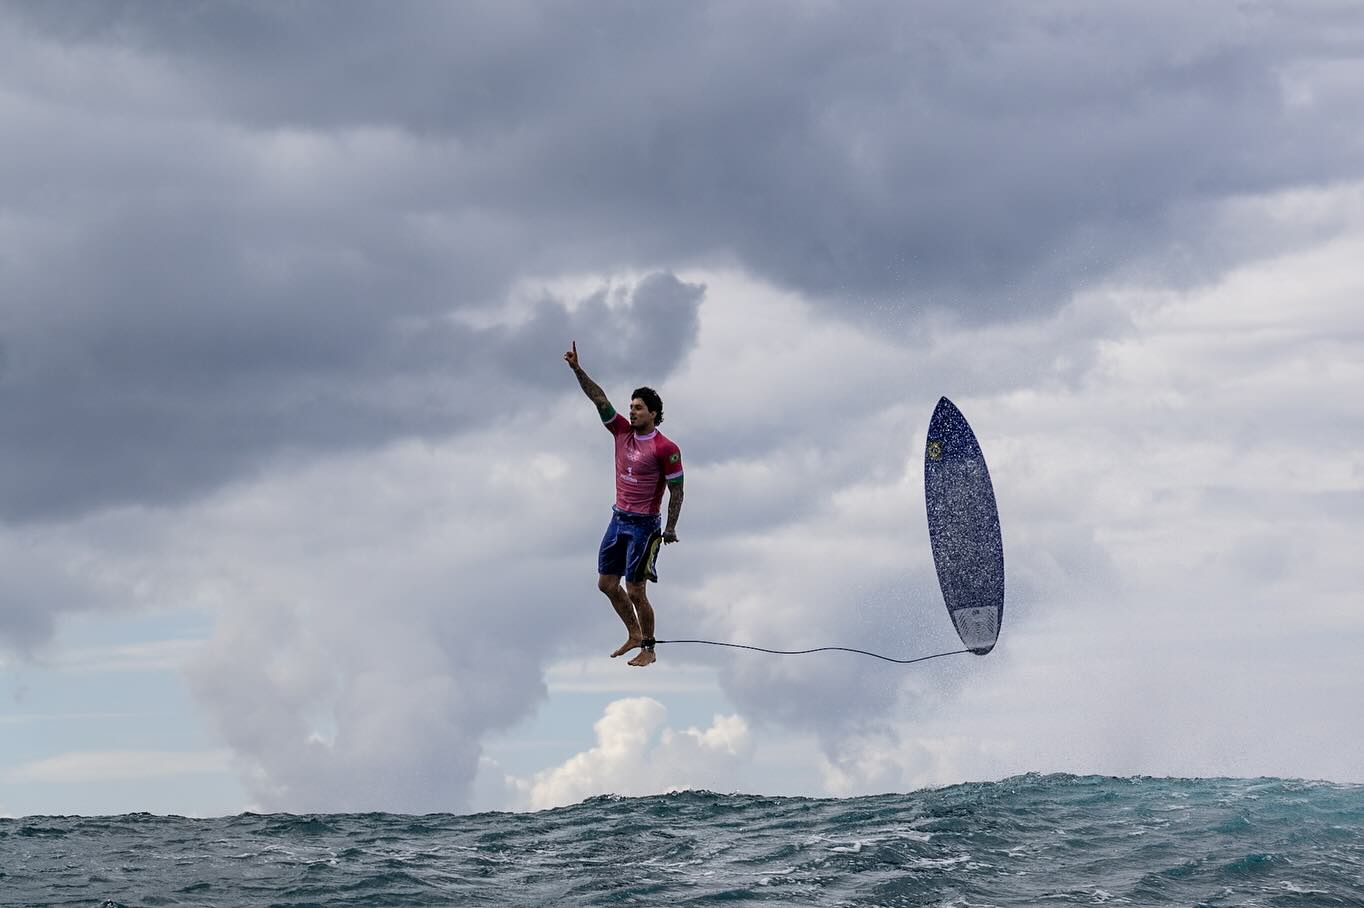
{"type": "Point", "coordinates": [1029, 840]}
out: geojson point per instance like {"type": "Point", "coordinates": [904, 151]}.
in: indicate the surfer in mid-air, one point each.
{"type": "Point", "coordinates": [646, 462]}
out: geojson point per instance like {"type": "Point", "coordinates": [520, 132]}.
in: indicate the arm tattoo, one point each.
{"type": "Point", "coordinates": [595, 394]}
{"type": "Point", "coordinates": [674, 503]}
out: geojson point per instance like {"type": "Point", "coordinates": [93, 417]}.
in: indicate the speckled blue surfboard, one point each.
{"type": "Point", "coordinates": [963, 527]}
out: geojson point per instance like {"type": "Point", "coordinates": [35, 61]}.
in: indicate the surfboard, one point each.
{"type": "Point", "coordinates": [963, 528]}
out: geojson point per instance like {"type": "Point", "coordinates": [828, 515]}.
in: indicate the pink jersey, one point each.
{"type": "Point", "coordinates": [644, 464]}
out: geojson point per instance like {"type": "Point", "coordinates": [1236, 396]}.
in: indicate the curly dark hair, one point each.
{"type": "Point", "coordinates": [651, 400]}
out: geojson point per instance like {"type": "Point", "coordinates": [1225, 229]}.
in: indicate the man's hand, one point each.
{"type": "Point", "coordinates": [590, 388]}
{"type": "Point", "coordinates": [669, 537]}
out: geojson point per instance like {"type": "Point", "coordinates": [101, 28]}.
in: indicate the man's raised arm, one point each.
{"type": "Point", "coordinates": [590, 388]}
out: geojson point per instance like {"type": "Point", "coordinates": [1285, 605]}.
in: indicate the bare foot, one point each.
{"type": "Point", "coordinates": [632, 643]}
{"type": "Point", "coordinates": [645, 657]}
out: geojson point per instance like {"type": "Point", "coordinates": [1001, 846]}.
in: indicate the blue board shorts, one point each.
{"type": "Point", "coordinates": [630, 547]}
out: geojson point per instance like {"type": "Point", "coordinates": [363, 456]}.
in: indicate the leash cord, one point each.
{"type": "Point", "coordinates": [820, 649]}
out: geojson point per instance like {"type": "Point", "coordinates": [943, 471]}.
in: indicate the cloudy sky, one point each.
{"type": "Point", "coordinates": [299, 504]}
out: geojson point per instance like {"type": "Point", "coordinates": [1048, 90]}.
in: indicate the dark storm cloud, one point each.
{"type": "Point", "coordinates": [891, 122]}
{"type": "Point", "coordinates": [886, 150]}
{"type": "Point", "coordinates": [234, 229]}
{"type": "Point", "coordinates": [173, 395]}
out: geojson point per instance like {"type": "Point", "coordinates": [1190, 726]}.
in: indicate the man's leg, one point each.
{"type": "Point", "coordinates": [640, 597]}
{"type": "Point", "coordinates": [620, 601]}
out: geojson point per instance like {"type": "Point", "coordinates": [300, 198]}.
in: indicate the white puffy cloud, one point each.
{"type": "Point", "coordinates": [637, 754]}
{"type": "Point", "coordinates": [1180, 485]}
{"type": "Point", "coordinates": [359, 660]}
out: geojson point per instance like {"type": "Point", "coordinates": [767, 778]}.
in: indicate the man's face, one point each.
{"type": "Point", "coordinates": [639, 414]}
